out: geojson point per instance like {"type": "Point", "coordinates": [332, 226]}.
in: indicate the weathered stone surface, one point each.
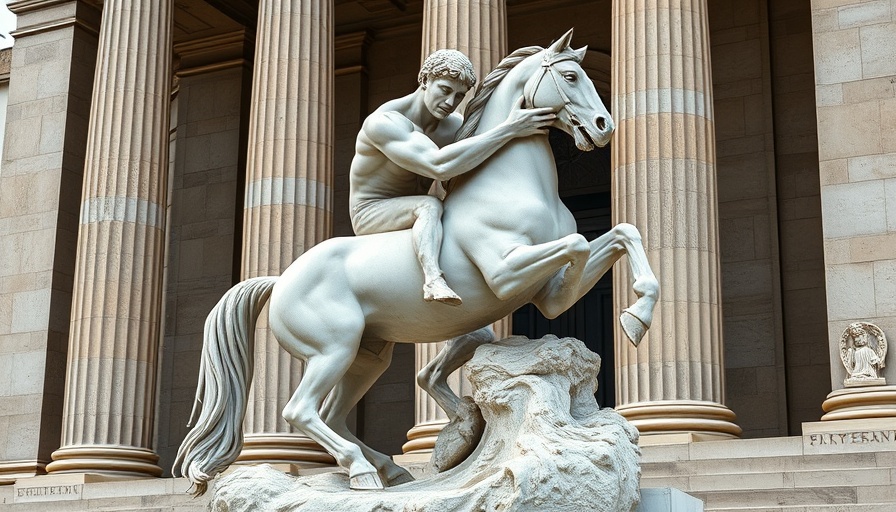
{"type": "Point", "coordinates": [547, 446]}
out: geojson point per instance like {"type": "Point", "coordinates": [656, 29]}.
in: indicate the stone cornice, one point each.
{"type": "Point", "coordinates": [350, 52]}
{"type": "Point", "coordinates": [78, 13]}
{"type": "Point", "coordinates": [55, 25]}
{"type": "Point", "coordinates": [22, 6]}
{"type": "Point", "coordinates": [352, 40]}
{"type": "Point", "coordinates": [398, 31]}
{"type": "Point", "coordinates": [213, 53]}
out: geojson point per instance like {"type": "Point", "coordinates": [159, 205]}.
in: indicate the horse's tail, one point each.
{"type": "Point", "coordinates": [225, 374]}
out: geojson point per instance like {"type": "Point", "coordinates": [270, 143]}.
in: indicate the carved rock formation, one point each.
{"type": "Point", "coordinates": [547, 446]}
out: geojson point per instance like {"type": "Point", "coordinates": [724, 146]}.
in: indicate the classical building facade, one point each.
{"type": "Point", "coordinates": [156, 153]}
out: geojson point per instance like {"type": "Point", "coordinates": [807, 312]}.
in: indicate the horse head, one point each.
{"type": "Point", "coordinates": [559, 81]}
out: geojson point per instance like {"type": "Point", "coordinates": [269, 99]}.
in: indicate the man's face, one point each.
{"type": "Point", "coordinates": [443, 95]}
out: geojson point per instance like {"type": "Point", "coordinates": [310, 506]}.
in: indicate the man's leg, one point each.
{"type": "Point", "coordinates": [427, 235]}
{"type": "Point", "coordinates": [423, 214]}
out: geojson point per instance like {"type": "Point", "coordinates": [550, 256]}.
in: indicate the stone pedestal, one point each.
{"type": "Point", "coordinates": [114, 339]}
{"type": "Point", "coordinates": [548, 446]}
{"type": "Point", "coordinates": [288, 205]}
{"type": "Point", "coordinates": [665, 184]}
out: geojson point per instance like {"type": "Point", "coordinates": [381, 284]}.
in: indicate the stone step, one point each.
{"type": "Point", "coordinates": [144, 495]}
{"type": "Point", "coordinates": [874, 476]}
{"type": "Point", "coordinates": [811, 498]}
{"type": "Point", "coordinates": [769, 464]}
{"type": "Point", "coordinates": [874, 507]}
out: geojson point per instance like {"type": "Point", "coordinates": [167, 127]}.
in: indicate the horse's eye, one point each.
{"type": "Point", "coordinates": [570, 77]}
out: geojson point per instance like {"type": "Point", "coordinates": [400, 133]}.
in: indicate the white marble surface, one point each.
{"type": "Point", "coordinates": [547, 446]}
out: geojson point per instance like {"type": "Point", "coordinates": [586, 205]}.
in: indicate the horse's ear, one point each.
{"type": "Point", "coordinates": [580, 53]}
{"type": "Point", "coordinates": [562, 43]}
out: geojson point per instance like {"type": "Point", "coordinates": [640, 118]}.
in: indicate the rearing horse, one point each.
{"type": "Point", "coordinates": [341, 307]}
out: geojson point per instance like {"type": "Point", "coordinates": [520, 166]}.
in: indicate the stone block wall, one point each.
{"type": "Point", "coordinates": [204, 212]}
{"type": "Point", "coordinates": [751, 296]}
{"type": "Point", "coordinates": [43, 160]}
{"type": "Point", "coordinates": [855, 81]}
{"type": "Point", "coordinates": [799, 211]}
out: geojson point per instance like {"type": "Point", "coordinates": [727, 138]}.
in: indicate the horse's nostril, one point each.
{"type": "Point", "coordinates": [601, 123]}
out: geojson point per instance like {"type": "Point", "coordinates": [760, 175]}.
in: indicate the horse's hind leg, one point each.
{"type": "Point", "coordinates": [324, 368]}
{"type": "Point", "coordinates": [459, 438]}
{"type": "Point", "coordinates": [433, 378]}
{"type": "Point", "coordinates": [364, 371]}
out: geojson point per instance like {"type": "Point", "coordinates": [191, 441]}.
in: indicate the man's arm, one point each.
{"type": "Point", "coordinates": [395, 137]}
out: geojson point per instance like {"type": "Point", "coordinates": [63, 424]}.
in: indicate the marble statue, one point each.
{"type": "Point", "coordinates": [548, 447]}
{"type": "Point", "coordinates": [507, 240]}
{"type": "Point", "coordinates": [864, 358]}
{"type": "Point", "coordinates": [412, 136]}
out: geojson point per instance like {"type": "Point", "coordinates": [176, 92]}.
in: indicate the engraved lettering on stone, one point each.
{"type": "Point", "coordinates": [857, 437]}
{"type": "Point", "coordinates": [26, 494]}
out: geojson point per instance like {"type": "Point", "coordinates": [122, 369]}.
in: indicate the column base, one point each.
{"type": "Point", "coordinates": [284, 448]}
{"type": "Point", "coordinates": [682, 417]}
{"type": "Point", "coordinates": [422, 438]}
{"type": "Point", "coordinates": [860, 403]}
{"type": "Point", "coordinates": [125, 461]}
{"type": "Point", "coordinates": [12, 470]}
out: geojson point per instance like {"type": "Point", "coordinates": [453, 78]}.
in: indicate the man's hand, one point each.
{"type": "Point", "coordinates": [530, 121]}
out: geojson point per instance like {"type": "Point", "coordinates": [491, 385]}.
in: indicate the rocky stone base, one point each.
{"type": "Point", "coordinates": [547, 446]}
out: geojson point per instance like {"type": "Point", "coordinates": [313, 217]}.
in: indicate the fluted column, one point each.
{"type": "Point", "coordinates": [665, 184]}
{"type": "Point", "coordinates": [114, 338]}
{"type": "Point", "coordinates": [288, 205]}
{"type": "Point", "coordinates": [478, 28]}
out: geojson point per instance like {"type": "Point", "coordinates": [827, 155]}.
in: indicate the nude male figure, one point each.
{"type": "Point", "coordinates": [413, 136]}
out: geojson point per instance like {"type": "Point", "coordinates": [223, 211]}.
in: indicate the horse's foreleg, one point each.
{"type": "Point", "coordinates": [636, 319]}
{"type": "Point", "coordinates": [433, 378]}
{"type": "Point", "coordinates": [555, 297]}
{"type": "Point", "coordinates": [525, 265]}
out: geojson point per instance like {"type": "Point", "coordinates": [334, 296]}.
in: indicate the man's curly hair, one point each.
{"type": "Point", "coordinates": [447, 63]}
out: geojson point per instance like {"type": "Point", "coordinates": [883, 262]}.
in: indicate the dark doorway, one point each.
{"type": "Point", "coordinates": [584, 188]}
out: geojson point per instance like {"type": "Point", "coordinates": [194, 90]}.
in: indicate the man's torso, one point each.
{"type": "Point", "coordinates": [374, 176]}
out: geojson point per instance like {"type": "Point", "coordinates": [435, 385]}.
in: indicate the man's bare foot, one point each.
{"type": "Point", "coordinates": [438, 289]}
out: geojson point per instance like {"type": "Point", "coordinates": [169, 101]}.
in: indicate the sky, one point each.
{"type": "Point", "coordinates": [7, 24]}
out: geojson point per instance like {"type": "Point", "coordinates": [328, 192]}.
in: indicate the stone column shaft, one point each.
{"type": "Point", "coordinates": [288, 204]}
{"type": "Point", "coordinates": [665, 184]}
{"type": "Point", "coordinates": [114, 340]}
{"type": "Point", "coordinates": [478, 28]}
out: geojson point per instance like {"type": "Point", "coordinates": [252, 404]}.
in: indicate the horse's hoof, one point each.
{"type": "Point", "coordinates": [459, 437]}
{"type": "Point", "coordinates": [366, 482]}
{"type": "Point", "coordinates": [633, 327]}
{"type": "Point", "coordinates": [439, 291]}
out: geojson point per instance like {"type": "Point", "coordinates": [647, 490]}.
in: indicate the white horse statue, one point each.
{"type": "Point", "coordinates": [341, 306]}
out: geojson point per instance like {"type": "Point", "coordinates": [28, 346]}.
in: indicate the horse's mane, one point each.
{"type": "Point", "coordinates": [474, 109]}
